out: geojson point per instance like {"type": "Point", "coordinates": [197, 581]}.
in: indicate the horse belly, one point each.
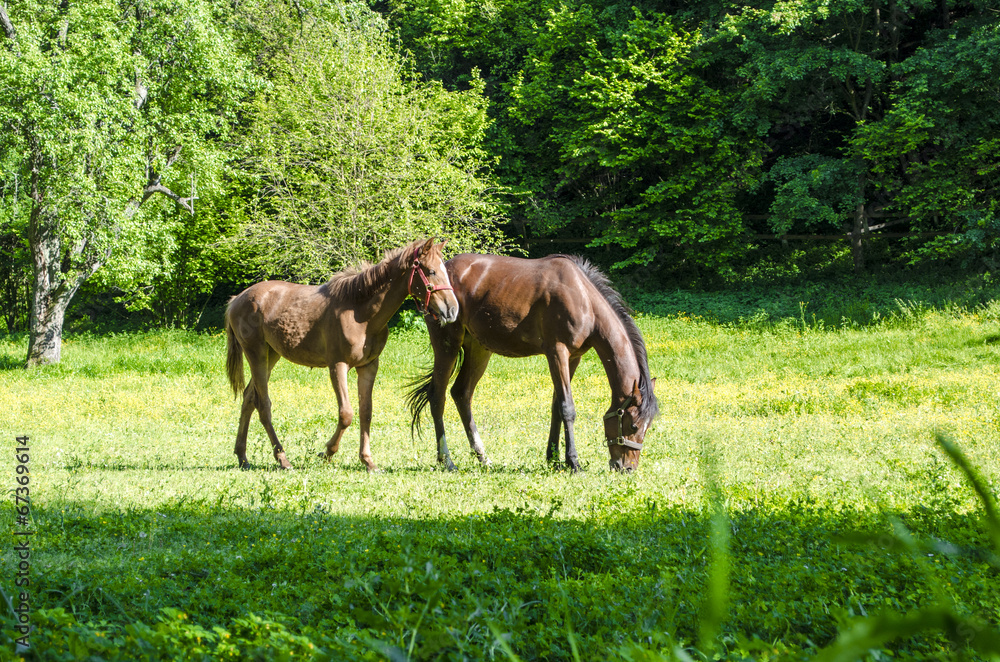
{"type": "Point", "coordinates": [300, 343]}
{"type": "Point", "coordinates": [505, 336]}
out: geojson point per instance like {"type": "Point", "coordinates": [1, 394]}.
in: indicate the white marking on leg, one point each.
{"type": "Point", "coordinates": [443, 449]}
{"type": "Point", "coordinates": [480, 450]}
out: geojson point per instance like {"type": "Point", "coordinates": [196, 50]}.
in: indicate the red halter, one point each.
{"type": "Point", "coordinates": [429, 287]}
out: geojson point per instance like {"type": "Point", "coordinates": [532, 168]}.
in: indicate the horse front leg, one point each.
{"type": "Point", "coordinates": [366, 384]}
{"type": "Point", "coordinates": [338, 378]}
{"type": "Point", "coordinates": [555, 429]}
{"type": "Point", "coordinates": [562, 367]}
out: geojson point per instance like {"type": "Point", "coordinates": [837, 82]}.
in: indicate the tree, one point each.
{"type": "Point", "coordinates": [841, 90]}
{"type": "Point", "coordinates": [631, 143]}
{"type": "Point", "coordinates": [937, 150]}
{"type": "Point", "coordinates": [104, 105]}
{"type": "Point", "coordinates": [355, 156]}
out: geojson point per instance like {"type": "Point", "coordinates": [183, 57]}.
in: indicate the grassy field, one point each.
{"type": "Point", "coordinates": [151, 543]}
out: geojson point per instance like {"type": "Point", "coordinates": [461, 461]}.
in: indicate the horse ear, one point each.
{"type": "Point", "coordinates": [635, 392]}
{"type": "Point", "coordinates": [426, 248]}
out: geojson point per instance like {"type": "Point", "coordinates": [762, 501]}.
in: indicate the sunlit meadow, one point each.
{"type": "Point", "coordinates": [809, 433]}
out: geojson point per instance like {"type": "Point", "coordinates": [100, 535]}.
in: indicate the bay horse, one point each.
{"type": "Point", "coordinates": [560, 306]}
{"type": "Point", "coordinates": [341, 324]}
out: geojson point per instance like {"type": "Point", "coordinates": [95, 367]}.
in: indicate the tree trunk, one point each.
{"type": "Point", "coordinates": [858, 233]}
{"type": "Point", "coordinates": [52, 289]}
{"type": "Point", "coordinates": [48, 312]}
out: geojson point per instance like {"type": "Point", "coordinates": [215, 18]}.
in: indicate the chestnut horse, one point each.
{"type": "Point", "coordinates": [341, 324]}
{"type": "Point", "coordinates": [560, 306]}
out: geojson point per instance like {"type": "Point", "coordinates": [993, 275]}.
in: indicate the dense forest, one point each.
{"type": "Point", "coordinates": [157, 153]}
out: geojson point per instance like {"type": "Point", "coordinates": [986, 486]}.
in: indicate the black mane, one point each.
{"type": "Point", "coordinates": [649, 408]}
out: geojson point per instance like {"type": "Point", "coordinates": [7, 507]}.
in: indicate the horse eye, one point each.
{"type": "Point", "coordinates": [432, 273]}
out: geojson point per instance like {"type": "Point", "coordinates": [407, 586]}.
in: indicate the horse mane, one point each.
{"type": "Point", "coordinates": [649, 408]}
{"type": "Point", "coordinates": [363, 281]}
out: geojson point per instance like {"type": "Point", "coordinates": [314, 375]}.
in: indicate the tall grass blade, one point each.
{"type": "Point", "coordinates": [982, 490]}
{"type": "Point", "coordinates": [878, 631]}
{"type": "Point", "coordinates": [716, 600]}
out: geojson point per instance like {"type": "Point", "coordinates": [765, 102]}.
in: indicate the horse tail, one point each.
{"type": "Point", "coordinates": [420, 394]}
{"type": "Point", "coordinates": [234, 358]}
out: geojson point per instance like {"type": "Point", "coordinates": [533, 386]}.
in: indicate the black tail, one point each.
{"type": "Point", "coordinates": [419, 396]}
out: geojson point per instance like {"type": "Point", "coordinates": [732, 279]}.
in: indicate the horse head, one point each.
{"type": "Point", "coordinates": [429, 284]}
{"type": "Point", "coordinates": [625, 428]}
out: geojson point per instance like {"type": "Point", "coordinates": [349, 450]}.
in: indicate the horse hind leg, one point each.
{"type": "Point", "coordinates": [260, 373]}
{"type": "Point", "coordinates": [447, 344]}
{"type": "Point", "coordinates": [246, 411]}
{"type": "Point", "coordinates": [474, 365]}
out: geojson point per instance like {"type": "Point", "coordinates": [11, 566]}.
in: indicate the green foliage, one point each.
{"type": "Point", "coordinates": [668, 131]}
{"type": "Point", "coordinates": [836, 302]}
{"type": "Point", "coordinates": [15, 282]}
{"type": "Point", "coordinates": [172, 637]}
{"type": "Point", "coordinates": [450, 39]}
{"type": "Point", "coordinates": [71, 110]}
{"type": "Point", "coordinates": [806, 86]}
{"type": "Point", "coordinates": [200, 261]}
{"type": "Point", "coordinates": [964, 633]}
{"type": "Point", "coordinates": [637, 142]}
{"type": "Point", "coordinates": [812, 192]}
{"type": "Point", "coordinates": [355, 156]}
{"type": "Point", "coordinates": [936, 150]}
{"type": "Point", "coordinates": [887, 93]}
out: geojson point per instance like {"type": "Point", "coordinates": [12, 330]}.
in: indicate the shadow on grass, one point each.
{"type": "Point", "coordinates": [632, 575]}
{"type": "Point", "coordinates": [74, 464]}
{"type": "Point", "coordinates": [11, 362]}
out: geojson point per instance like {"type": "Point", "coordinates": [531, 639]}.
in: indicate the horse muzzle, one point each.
{"type": "Point", "coordinates": [449, 314]}
{"type": "Point", "coordinates": [622, 465]}
{"type": "Point", "coordinates": [442, 310]}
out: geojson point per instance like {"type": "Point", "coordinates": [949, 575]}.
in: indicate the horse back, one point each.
{"type": "Point", "coordinates": [518, 307]}
{"type": "Point", "coordinates": [292, 319]}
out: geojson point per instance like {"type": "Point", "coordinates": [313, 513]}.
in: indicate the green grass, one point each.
{"type": "Point", "coordinates": [150, 541]}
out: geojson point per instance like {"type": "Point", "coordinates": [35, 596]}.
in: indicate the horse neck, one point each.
{"type": "Point", "coordinates": [379, 308]}
{"type": "Point", "coordinates": [612, 344]}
